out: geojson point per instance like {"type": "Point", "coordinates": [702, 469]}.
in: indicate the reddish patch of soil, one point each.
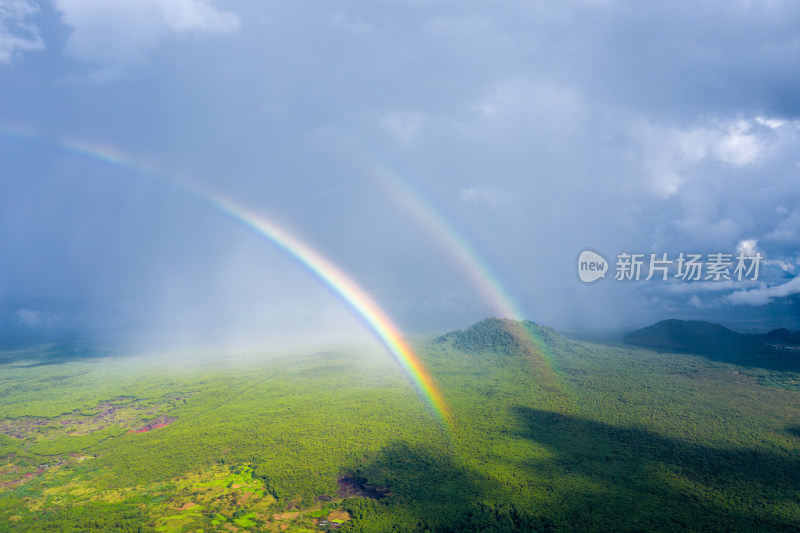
{"type": "Point", "coordinates": [160, 422]}
{"type": "Point", "coordinates": [25, 478]}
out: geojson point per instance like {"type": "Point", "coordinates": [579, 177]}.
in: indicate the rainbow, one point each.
{"type": "Point", "coordinates": [328, 273]}
{"type": "Point", "coordinates": [458, 249]}
{"type": "Point", "coordinates": [341, 284]}
{"type": "Point", "coordinates": [437, 227]}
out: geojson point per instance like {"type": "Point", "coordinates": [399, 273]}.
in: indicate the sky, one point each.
{"type": "Point", "coordinates": [452, 158]}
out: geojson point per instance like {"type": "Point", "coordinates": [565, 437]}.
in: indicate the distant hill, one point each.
{"type": "Point", "coordinates": [696, 336]}
{"type": "Point", "coordinates": [40, 320]}
{"type": "Point", "coordinates": [503, 336]}
{"type": "Point", "coordinates": [781, 336]}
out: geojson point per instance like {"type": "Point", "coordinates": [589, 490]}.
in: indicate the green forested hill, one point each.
{"type": "Point", "coordinates": [547, 434]}
{"type": "Point", "coordinates": [720, 343]}
{"type": "Point", "coordinates": [696, 336]}
{"type": "Point", "coordinates": [503, 336]}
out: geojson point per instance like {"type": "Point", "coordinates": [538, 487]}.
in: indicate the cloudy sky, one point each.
{"type": "Point", "coordinates": [388, 136]}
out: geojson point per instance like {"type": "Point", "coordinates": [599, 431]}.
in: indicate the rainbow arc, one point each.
{"type": "Point", "coordinates": [317, 264]}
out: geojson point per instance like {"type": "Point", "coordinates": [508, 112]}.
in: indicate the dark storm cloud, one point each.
{"type": "Point", "coordinates": [536, 129]}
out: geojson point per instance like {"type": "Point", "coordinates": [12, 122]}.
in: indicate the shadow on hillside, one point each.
{"type": "Point", "coordinates": [779, 359]}
{"type": "Point", "coordinates": [428, 491]}
{"type": "Point", "coordinates": [626, 479]}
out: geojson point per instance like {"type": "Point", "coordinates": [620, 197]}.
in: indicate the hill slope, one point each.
{"type": "Point", "coordinates": [782, 336]}
{"type": "Point", "coordinates": [695, 336]}
{"type": "Point", "coordinates": [503, 336]}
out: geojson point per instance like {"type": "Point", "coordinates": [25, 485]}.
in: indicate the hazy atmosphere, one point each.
{"type": "Point", "coordinates": [452, 158]}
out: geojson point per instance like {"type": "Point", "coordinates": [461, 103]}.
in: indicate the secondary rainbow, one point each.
{"type": "Point", "coordinates": [323, 269]}
{"type": "Point", "coordinates": [455, 246]}
{"type": "Point", "coordinates": [437, 227]}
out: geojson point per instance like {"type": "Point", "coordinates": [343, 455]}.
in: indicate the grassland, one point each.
{"type": "Point", "coordinates": [548, 434]}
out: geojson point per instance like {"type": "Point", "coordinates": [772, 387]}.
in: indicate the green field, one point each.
{"type": "Point", "coordinates": [547, 434]}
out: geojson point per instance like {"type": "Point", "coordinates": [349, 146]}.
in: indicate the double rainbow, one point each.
{"type": "Point", "coordinates": [328, 273]}
{"type": "Point", "coordinates": [438, 228]}
{"type": "Point", "coordinates": [464, 257]}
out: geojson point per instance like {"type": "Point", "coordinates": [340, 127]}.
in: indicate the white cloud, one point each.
{"type": "Point", "coordinates": [780, 263]}
{"type": "Point", "coordinates": [773, 123]}
{"type": "Point", "coordinates": [670, 152]}
{"type": "Point", "coordinates": [17, 35]}
{"type": "Point", "coordinates": [749, 247]}
{"type": "Point", "coordinates": [664, 183]}
{"type": "Point", "coordinates": [765, 295]}
{"type": "Point", "coordinates": [737, 146]}
{"type": "Point", "coordinates": [39, 319]}
{"type": "Point", "coordinates": [122, 31]}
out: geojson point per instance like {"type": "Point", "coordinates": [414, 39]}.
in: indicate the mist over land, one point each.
{"type": "Point", "coordinates": [540, 433]}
